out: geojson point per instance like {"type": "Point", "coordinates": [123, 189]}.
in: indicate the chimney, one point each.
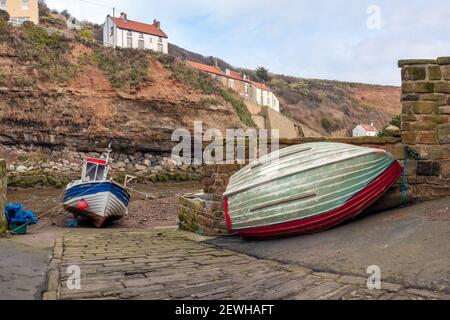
{"type": "Point", "coordinates": [157, 24]}
{"type": "Point", "coordinates": [371, 123]}
{"type": "Point", "coordinates": [124, 16]}
{"type": "Point", "coordinates": [227, 72]}
{"type": "Point", "coordinates": [216, 63]}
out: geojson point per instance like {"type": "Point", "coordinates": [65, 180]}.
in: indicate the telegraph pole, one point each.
{"type": "Point", "coordinates": [114, 28]}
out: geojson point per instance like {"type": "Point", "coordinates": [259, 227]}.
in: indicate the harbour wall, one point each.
{"type": "Point", "coordinates": [423, 149]}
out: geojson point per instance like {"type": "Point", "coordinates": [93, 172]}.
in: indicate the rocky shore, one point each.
{"type": "Point", "coordinates": [30, 166]}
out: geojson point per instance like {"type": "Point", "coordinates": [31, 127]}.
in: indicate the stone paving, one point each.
{"type": "Point", "coordinates": [168, 264]}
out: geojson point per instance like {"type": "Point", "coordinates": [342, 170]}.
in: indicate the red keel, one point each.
{"type": "Point", "coordinates": [350, 209]}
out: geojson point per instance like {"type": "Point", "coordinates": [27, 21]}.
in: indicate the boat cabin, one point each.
{"type": "Point", "coordinates": [95, 170]}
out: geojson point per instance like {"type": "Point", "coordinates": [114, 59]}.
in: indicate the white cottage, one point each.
{"type": "Point", "coordinates": [365, 130]}
{"type": "Point", "coordinates": [124, 33]}
{"type": "Point", "coordinates": [263, 96]}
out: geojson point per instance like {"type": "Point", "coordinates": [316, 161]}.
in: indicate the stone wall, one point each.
{"type": "Point", "coordinates": [29, 166]}
{"type": "Point", "coordinates": [3, 187]}
{"type": "Point", "coordinates": [426, 123]}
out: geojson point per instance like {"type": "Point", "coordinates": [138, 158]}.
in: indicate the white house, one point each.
{"type": "Point", "coordinates": [365, 130]}
{"type": "Point", "coordinates": [124, 33]}
{"type": "Point", "coordinates": [263, 96]}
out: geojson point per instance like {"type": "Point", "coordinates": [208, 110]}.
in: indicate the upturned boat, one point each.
{"type": "Point", "coordinates": [306, 188]}
{"type": "Point", "coordinates": [94, 197]}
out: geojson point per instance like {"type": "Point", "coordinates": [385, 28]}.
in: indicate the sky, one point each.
{"type": "Point", "coordinates": [347, 40]}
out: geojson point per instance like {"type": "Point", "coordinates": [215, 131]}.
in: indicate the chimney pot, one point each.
{"type": "Point", "coordinates": [157, 24]}
{"type": "Point", "coordinates": [124, 16]}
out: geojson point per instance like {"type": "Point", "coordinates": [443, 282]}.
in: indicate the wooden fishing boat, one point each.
{"type": "Point", "coordinates": [306, 188]}
{"type": "Point", "coordinates": [95, 198]}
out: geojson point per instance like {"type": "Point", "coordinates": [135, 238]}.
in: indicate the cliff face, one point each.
{"type": "Point", "coordinates": [86, 111]}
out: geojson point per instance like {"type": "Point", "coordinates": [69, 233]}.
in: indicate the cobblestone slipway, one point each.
{"type": "Point", "coordinates": [169, 264]}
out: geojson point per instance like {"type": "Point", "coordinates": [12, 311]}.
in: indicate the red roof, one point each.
{"type": "Point", "coordinates": [205, 68]}
{"type": "Point", "coordinates": [139, 27]}
{"type": "Point", "coordinates": [369, 128]}
{"type": "Point", "coordinates": [233, 74]}
{"type": "Point", "coordinates": [261, 86]}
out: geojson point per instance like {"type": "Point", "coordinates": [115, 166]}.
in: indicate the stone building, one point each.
{"type": "Point", "coordinates": [21, 10]}
{"type": "Point", "coordinates": [365, 130]}
{"type": "Point", "coordinates": [124, 33]}
{"type": "Point", "coordinates": [251, 91]}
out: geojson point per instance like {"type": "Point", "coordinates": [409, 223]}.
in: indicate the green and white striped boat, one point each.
{"type": "Point", "coordinates": [306, 188]}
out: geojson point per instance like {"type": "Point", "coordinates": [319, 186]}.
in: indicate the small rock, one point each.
{"type": "Point", "coordinates": [393, 131]}
{"type": "Point", "coordinates": [21, 169]}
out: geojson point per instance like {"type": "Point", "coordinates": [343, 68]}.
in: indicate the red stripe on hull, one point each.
{"type": "Point", "coordinates": [350, 209]}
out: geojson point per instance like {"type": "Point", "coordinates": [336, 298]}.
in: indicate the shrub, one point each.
{"type": "Point", "coordinates": [396, 121]}
{"type": "Point", "coordinates": [4, 15]}
{"type": "Point", "coordinates": [239, 106]}
{"type": "Point", "coordinates": [330, 125]}
{"type": "Point", "coordinates": [86, 34]}
{"type": "Point", "coordinates": [192, 78]}
{"type": "Point", "coordinates": [207, 85]}
{"type": "Point", "coordinates": [5, 30]}
{"type": "Point", "coordinates": [2, 79]}
{"type": "Point", "coordinates": [46, 51]}
{"type": "Point", "coordinates": [125, 68]}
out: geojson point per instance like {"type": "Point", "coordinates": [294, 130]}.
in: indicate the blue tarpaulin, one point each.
{"type": "Point", "coordinates": [16, 213]}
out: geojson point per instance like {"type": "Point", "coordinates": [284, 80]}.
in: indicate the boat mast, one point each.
{"type": "Point", "coordinates": [108, 152]}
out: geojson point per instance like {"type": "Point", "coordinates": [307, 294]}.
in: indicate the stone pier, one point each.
{"type": "Point", "coordinates": [426, 124]}
{"type": "Point", "coordinates": [3, 186]}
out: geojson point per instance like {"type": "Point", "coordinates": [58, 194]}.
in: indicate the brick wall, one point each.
{"type": "Point", "coordinates": [3, 185]}
{"type": "Point", "coordinates": [426, 123]}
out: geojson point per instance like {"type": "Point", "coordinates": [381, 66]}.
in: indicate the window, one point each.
{"type": "Point", "coordinates": [159, 39]}
{"type": "Point", "coordinates": [25, 4]}
{"type": "Point", "coordinates": [101, 173]}
{"type": "Point", "coordinates": [141, 35]}
{"type": "Point", "coordinates": [141, 44]}
{"type": "Point", "coordinates": [129, 33]}
{"type": "Point", "coordinates": [112, 31]}
{"type": "Point", "coordinates": [3, 4]}
{"type": "Point", "coordinates": [129, 42]}
{"type": "Point", "coordinates": [18, 20]}
{"type": "Point", "coordinates": [160, 47]}
{"type": "Point", "coordinates": [91, 168]}
{"type": "Point", "coordinates": [95, 172]}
